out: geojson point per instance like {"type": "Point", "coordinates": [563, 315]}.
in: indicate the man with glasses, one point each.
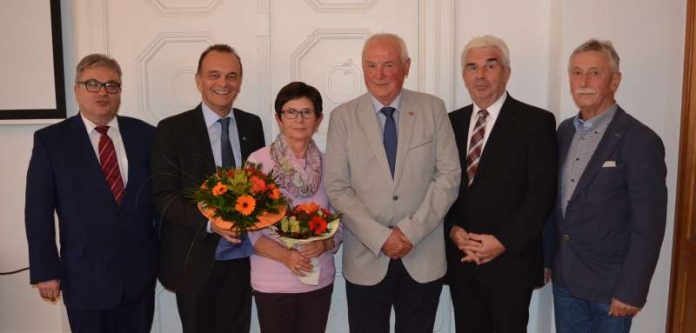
{"type": "Point", "coordinates": [207, 267]}
{"type": "Point", "coordinates": [93, 171]}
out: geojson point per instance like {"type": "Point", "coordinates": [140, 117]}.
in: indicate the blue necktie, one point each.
{"type": "Point", "coordinates": [225, 145]}
{"type": "Point", "coordinates": [226, 250]}
{"type": "Point", "coordinates": [390, 140]}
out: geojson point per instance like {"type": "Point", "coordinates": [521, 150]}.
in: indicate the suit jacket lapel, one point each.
{"type": "Point", "coordinates": [606, 146]}
{"type": "Point", "coordinates": [407, 119]}
{"type": "Point", "coordinates": [372, 130]}
{"type": "Point", "coordinates": [202, 141]}
{"type": "Point", "coordinates": [500, 133]}
{"type": "Point", "coordinates": [130, 145]}
{"type": "Point", "coordinates": [243, 132]}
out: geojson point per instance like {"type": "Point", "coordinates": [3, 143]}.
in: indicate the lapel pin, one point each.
{"type": "Point", "coordinates": [244, 138]}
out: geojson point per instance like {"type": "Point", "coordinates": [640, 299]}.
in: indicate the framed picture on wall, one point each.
{"type": "Point", "coordinates": [32, 87]}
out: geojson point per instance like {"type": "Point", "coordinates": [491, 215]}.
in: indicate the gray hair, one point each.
{"type": "Point", "coordinates": [602, 46]}
{"type": "Point", "coordinates": [487, 41]}
{"type": "Point", "coordinates": [403, 50]}
{"type": "Point", "coordinates": [97, 60]}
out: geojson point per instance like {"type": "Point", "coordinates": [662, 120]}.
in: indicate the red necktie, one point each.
{"type": "Point", "coordinates": [476, 146]}
{"type": "Point", "coordinates": [109, 164]}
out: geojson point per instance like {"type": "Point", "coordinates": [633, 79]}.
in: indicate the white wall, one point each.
{"type": "Point", "coordinates": [648, 34]}
{"type": "Point", "coordinates": [21, 308]}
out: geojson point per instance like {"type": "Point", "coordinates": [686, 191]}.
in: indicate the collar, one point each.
{"type": "Point", "coordinates": [494, 109]}
{"type": "Point", "coordinates": [211, 117]}
{"type": "Point", "coordinates": [90, 126]}
{"type": "Point", "coordinates": [396, 103]}
{"type": "Point", "coordinates": [595, 121]}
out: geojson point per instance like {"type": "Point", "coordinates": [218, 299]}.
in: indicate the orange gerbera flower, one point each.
{"type": "Point", "coordinates": [308, 207]}
{"type": "Point", "coordinates": [275, 193]}
{"type": "Point", "coordinates": [318, 225]}
{"type": "Point", "coordinates": [219, 189]}
{"type": "Point", "coordinates": [257, 184]}
{"type": "Point", "coordinates": [245, 205]}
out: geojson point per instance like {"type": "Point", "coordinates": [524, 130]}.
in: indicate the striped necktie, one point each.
{"type": "Point", "coordinates": [109, 164]}
{"type": "Point", "coordinates": [476, 146]}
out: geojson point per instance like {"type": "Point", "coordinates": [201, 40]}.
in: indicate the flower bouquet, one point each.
{"type": "Point", "coordinates": [241, 199]}
{"type": "Point", "coordinates": [307, 222]}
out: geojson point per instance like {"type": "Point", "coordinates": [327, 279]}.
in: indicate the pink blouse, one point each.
{"type": "Point", "coordinates": [270, 276]}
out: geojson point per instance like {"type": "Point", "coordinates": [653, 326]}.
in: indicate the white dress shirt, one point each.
{"type": "Point", "coordinates": [493, 112]}
{"type": "Point", "coordinates": [115, 134]}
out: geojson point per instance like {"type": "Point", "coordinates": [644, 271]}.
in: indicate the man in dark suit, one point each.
{"type": "Point", "coordinates": [93, 171]}
{"type": "Point", "coordinates": [508, 150]}
{"type": "Point", "coordinates": [207, 267]}
{"type": "Point", "coordinates": [609, 220]}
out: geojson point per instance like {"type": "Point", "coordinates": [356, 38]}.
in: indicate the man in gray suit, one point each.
{"type": "Point", "coordinates": [392, 169]}
{"type": "Point", "coordinates": [609, 220]}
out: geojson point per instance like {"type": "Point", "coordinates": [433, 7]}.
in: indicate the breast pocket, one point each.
{"type": "Point", "coordinates": [421, 156]}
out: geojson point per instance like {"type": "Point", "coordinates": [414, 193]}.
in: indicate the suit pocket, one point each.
{"type": "Point", "coordinates": [421, 143]}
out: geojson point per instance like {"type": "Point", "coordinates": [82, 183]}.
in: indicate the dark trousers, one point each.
{"type": "Point", "coordinates": [482, 306]}
{"type": "Point", "coordinates": [415, 304]}
{"type": "Point", "coordinates": [224, 304]}
{"type": "Point", "coordinates": [299, 313]}
{"type": "Point", "coordinates": [129, 316]}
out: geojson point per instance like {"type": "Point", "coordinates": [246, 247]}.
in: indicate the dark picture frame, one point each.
{"type": "Point", "coordinates": [59, 112]}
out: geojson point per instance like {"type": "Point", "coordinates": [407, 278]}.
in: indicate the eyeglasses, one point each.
{"type": "Point", "coordinates": [94, 86]}
{"type": "Point", "coordinates": [292, 113]}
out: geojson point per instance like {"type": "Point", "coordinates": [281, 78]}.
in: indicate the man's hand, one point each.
{"type": "Point", "coordinates": [461, 239]}
{"type": "Point", "coordinates": [487, 249]}
{"type": "Point", "coordinates": [621, 309]}
{"type": "Point", "coordinates": [397, 245]}
{"type": "Point", "coordinates": [227, 234]}
{"type": "Point", "coordinates": [49, 290]}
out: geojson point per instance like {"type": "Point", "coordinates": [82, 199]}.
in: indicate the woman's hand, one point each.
{"type": "Point", "coordinates": [297, 263]}
{"type": "Point", "coordinates": [315, 248]}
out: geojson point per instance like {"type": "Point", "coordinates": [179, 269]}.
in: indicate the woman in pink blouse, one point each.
{"type": "Point", "coordinates": [284, 303]}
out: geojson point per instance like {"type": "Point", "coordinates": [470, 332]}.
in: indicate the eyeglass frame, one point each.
{"type": "Point", "coordinates": [105, 85]}
{"type": "Point", "coordinates": [308, 112]}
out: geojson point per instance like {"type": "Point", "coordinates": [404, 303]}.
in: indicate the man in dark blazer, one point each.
{"type": "Point", "coordinates": [93, 171]}
{"type": "Point", "coordinates": [508, 157]}
{"type": "Point", "coordinates": [207, 267]}
{"type": "Point", "coordinates": [609, 220]}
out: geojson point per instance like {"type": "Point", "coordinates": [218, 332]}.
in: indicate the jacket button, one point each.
{"type": "Point", "coordinates": [566, 237]}
{"type": "Point", "coordinates": [396, 197]}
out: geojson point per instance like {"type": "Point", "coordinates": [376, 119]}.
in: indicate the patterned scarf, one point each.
{"type": "Point", "coordinates": [300, 183]}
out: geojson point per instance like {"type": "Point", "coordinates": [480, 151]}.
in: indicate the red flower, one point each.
{"type": "Point", "coordinates": [258, 185]}
{"type": "Point", "coordinates": [318, 225]}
